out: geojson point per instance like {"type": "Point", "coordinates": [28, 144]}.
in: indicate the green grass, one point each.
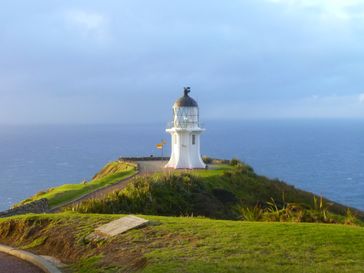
{"type": "Point", "coordinates": [178, 244]}
{"type": "Point", "coordinates": [221, 193]}
{"type": "Point", "coordinates": [188, 244]}
{"type": "Point", "coordinates": [37, 242]}
{"type": "Point", "coordinates": [87, 265]}
{"type": "Point", "coordinates": [113, 172]}
{"type": "Point", "coordinates": [216, 170]}
{"type": "Point", "coordinates": [224, 246]}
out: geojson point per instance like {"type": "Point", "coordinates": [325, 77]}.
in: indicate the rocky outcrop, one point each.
{"type": "Point", "coordinates": [38, 206]}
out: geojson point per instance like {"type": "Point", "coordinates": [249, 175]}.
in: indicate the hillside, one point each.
{"type": "Point", "coordinates": [225, 192]}
{"type": "Point", "coordinates": [267, 234]}
{"type": "Point", "coordinates": [111, 173]}
{"type": "Point", "coordinates": [179, 244]}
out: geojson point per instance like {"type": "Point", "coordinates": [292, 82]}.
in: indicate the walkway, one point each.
{"type": "Point", "coordinates": [11, 264]}
{"type": "Point", "coordinates": [145, 167]}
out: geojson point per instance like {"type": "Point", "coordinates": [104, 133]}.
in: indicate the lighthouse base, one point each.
{"type": "Point", "coordinates": [171, 165]}
{"type": "Point", "coordinates": [185, 149]}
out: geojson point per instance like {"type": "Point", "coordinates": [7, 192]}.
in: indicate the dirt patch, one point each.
{"type": "Point", "coordinates": [55, 239]}
{"type": "Point", "coordinates": [128, 250]}
{"type": "Point", "coordinates": [66, 239]}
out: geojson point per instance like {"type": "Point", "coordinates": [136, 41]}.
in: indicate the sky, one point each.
{"type": "Point", "coordinates": [128, 61]}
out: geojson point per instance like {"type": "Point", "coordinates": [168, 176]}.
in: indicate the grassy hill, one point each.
{"type": "Point", "coordinates": [185, 244]}
{"type": "Point", "coordinates": [268, 233]}
{"type": "Point", "coordinates": [226, 192]}
{"type": "Point", "coordinates": [112, 173]}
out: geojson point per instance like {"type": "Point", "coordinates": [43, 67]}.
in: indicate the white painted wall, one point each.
{"type": "Point", "coordinates": [185, 154]}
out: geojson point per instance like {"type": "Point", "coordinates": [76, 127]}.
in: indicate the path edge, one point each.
{"type": "Point", "coordinates": [60, 206]}
{"type": "Point", "coordinates": [38, 261]}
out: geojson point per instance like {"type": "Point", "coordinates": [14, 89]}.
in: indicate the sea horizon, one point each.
{"type": "Point", "coordinates": [321, 156]}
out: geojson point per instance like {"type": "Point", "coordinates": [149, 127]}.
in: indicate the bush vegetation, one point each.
{"type": "Point", "coordinates": [235, 192]}
{"type": "Point", "coordinates": [235, 162]}
{"type": "Point", "coordinates": [163, 194]}
{"type": "Point", "coordinates": [207, 160]}
{"type": "Point", "coordinates": [294, 212]}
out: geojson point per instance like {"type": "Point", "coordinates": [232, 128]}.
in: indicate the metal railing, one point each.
{"type": "Point", "coordinates": [184, 124]}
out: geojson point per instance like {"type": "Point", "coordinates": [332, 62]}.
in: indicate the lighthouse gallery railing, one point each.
{"type": "Point", "coordinates": [184, 124]}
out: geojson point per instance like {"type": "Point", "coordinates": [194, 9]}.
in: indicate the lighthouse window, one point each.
{"type": "Point", "coordinates": [193, 139]}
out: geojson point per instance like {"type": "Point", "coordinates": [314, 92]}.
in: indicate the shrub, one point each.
{"type": "Point", "coordinates": [296, 212]}
{"type": "Point", "coordinates": [207, 160]}
{"type": "Point", "coordinates": [164, 194]}
{"type": "Point", "coordinates": [225, 196]}
{"type": "Point", "coordinates": [217, 195]}
{"type": "Point", "coordinates": [238, 170]}
{"type": "Point", "coordinates": [251, 214]}
{"type": "Point", "coordinates": [350, 218]}
{"type": "Point", "coordinates": [234, 162]}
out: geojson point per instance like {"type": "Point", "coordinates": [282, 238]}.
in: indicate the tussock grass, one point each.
{"type": "Point", "coordinates": [226, 192]}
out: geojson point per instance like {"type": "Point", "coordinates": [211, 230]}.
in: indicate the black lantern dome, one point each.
{"type": "Point", "coordinates": [186, 100]}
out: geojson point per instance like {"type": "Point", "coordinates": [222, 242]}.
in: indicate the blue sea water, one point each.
{"type": "Point", "coordinates": [321, 156]}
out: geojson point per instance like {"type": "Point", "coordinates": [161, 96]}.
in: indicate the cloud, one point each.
{"type": "Point", "coordinates": [361, 98]}
{"type": "Point", "coordinates": [323, 4]}
{"type": "Point", "coordinates": [89, 24]}
{"type": "Point", "coordinates": [134, 52]}
{"type": "Point", "coordinates": [338, 9]}
{"type": "Point", "coordinates": [331, 106]}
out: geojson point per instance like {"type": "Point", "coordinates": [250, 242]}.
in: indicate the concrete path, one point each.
{"type": "Point", "coordinates": [145, 167]}
{"type": "Point", "coordinates": [11, 264]}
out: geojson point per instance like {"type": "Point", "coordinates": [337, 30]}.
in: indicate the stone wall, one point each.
{"type": "Point", "coordinates": [38, 206]}
{"type": "Point", "coordinates": [144, 158]}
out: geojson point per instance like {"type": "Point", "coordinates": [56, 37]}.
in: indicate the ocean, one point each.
{"type": "Point", "coordinates": [322, 156]}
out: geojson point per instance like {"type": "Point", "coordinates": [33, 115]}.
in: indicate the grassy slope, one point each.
{"type": "Point", "coordinates": [172, 194]}
{"type": "Point", "coordinates": [113, 172]}
{"type": "Point", "coordinates": [253, 189]}
{"type": "Point", "coordinates": [175, 244]}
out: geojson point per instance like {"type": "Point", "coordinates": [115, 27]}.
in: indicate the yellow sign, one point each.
{"type": "Point", "coordinates": [160, 145]}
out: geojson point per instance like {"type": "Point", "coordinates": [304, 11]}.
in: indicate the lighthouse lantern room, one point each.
{"type": "Point", "coordinates": [185, 130]}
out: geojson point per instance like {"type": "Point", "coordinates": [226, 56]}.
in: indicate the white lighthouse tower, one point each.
{"type": "Point", "coordinates": [185, 131]}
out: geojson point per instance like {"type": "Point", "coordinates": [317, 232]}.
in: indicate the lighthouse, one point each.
{"type": "Point", "coordinates": [185, 130]}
